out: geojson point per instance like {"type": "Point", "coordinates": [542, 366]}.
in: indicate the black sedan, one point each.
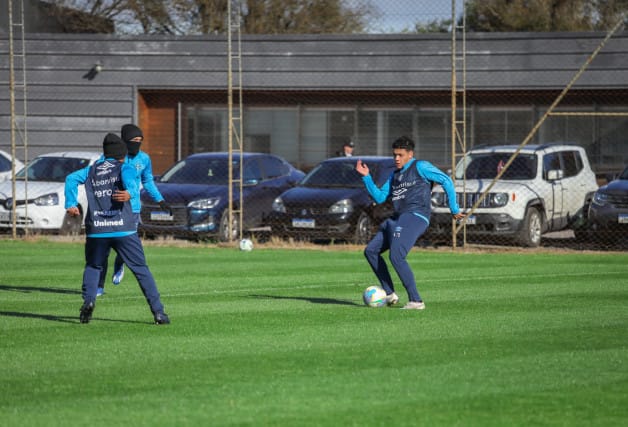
{"type": "Point", "coordinates": [197, 190]}
{"type": "Point", "coordinates": [608, 212]}
{"type": "Point", "coordinates": [331, 202]}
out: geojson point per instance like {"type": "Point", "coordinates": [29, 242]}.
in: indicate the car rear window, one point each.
{"type": "Point", "coordinates": [200, 171]}
{"type": "Point", "coordinates": [52, 169]}
{"type": "Point", "coordinates": [343, 174]}
{"type": "Point", "coordinates": [488, 165]}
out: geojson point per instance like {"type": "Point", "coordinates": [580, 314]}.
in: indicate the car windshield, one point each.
{"type": "Point", "coordinates": [200, 171]}
{"type": "Point", "coordinates": [52, 169]}
{"type": "Point", "coordinates": [624, 174]}
{"type": "Point", "coordinates": [339, 174]}
{"type": "Point", "coordinates": [488, 165]}
{"type": "Point", "coordinates": [5, 164]}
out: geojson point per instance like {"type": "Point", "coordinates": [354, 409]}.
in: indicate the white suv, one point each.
{"type": "Point", "coordinates": [546, 188]}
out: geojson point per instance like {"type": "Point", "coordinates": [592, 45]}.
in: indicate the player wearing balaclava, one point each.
{"type": "Point", "coordinates": [133, 137]}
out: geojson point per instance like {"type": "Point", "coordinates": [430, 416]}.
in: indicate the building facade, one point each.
{"type": "Point", "coordinates": [305, 95]}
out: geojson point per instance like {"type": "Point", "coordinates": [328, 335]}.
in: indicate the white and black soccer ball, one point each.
{"type": "Point", "coordinates": [246, 245]}
{"type": "Point", "coordinates": [374, 296]}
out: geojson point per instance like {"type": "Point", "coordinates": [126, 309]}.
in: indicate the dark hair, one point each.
{"type": "Point", "coordinates": [404, 143]}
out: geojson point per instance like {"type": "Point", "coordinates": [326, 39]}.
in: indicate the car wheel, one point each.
{"type": "Point", "coordinates": [363, 229]}
{"type": "Point", "coordinates": [223, 232]}
{"type": "Point", "coordinates": [71, 225]}
{"type": "Point", "coordinates": [530, 235]}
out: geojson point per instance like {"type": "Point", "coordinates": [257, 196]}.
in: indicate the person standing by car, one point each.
{"type": "Point", "coordinates": [347, 149]}
{"type": "Point", "coordinates": [111, 187]}
{"type": "Point", "coordinates": [140, 160]}
{"type": "Point", "coordinates": [409, 188]}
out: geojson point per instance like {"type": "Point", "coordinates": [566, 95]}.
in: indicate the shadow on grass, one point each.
{"type": "Point", "coordinates": [313, 300]}
{"type": "Point", "coordinates": [28, 289]}
{"type": "Point", "coordinates": [65, 319]}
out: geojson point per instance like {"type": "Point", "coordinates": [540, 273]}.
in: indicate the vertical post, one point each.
{"type": "Point", "coordinates": [230, 119]}
{"type": "Point", "coordinates": [453, 106]}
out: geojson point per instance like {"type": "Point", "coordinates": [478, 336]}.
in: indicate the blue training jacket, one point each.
{"type": "Point", "coordinates": [428, 172]}
{"type": "Point", "coordinates": [144, 177]}
{"type": "Point", "coordinates": [129, 183]}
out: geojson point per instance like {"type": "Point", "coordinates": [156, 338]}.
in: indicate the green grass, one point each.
{"type": "Point", "coordinates": [279, 337]}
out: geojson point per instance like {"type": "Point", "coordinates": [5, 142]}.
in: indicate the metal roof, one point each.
{"type": "Point", "coordinates": [494, 61]}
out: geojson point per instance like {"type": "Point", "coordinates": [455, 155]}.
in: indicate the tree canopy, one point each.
{"type": "Point", "coordinates": [324, 16]}
{"type": "Point", "coordinates": [210, 16]}
{"type": "Point", "coordinates": [543, 15]}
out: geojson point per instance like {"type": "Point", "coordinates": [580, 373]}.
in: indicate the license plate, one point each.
{"type": "Point", "coordinates": [470, 220]}
{"type": "Point", "coordinates": [161, 216]}
{"type": "Point", "coordinates": [622, 218]}
{"type": "Point", "coordinates": [303, 223]}
{"type": "Point", "coordinates": [5, 216]}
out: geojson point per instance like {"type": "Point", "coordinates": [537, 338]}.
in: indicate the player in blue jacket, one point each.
{"type": "Point", "coordinates": [133, 137]}
{"type": "Point", "coordinates": [111, 187]}
{"type": "Point", "coordinates": [409, 187]}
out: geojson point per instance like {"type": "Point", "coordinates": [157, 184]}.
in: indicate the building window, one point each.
{"type": "Point", "coordinates": [500, 126]}
{"type": "Point", "coordinates": [305, 136]}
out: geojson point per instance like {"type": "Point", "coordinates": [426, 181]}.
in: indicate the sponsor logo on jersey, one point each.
{"type": "Point", "coordinates": [104, 168]}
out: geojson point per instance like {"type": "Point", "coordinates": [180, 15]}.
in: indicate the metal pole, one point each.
{"type": "Point", "coordinates": [12, 114]}
{"type": "Point", "coordinates": [453, 106]}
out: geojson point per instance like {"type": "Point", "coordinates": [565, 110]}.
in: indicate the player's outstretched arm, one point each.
{"type": "Point", "coordinates": [362, 168]}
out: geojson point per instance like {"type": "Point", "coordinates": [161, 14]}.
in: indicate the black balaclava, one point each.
{"type": "Point", "coordinates": [113, 147]}
{"type": "Point", "coordinates": [128, 132]}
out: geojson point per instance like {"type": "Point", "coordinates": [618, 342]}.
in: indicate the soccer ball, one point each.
{"type": "Point", "coordinates": [374, 296]}
{"type": "Point", "coordinates": [246, 245]}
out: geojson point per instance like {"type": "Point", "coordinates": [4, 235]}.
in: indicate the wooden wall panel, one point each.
{"type": "Point", "coordinates": [158, 120]}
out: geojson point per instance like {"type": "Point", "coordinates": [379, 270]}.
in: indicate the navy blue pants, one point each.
{"type": "Point", "coordinates": [397, 236]}
{"type": "Point", "coordinates": [130, 249]}
{"type": "Point", "coordinates": [118, 263]}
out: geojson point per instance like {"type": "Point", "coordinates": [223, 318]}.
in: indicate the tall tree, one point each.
{"type": "Point", "coordinates": [210, 16]}
{"type": "Point", "coordinates": [543, 15]}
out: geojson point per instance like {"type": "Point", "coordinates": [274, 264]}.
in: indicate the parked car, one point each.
{"type": "Point", "coordinates": [43, 181]}
{"type": "Point", "coordinates": [331, 202]}
{"type": "Point", "coordinates": [5, 165]}
{"type": "Point", "coordinates": [197, 190]}
{"type": "Point", "coordinates": [546, 188]}
{"type": "Point", "coordinates": [608, 212]}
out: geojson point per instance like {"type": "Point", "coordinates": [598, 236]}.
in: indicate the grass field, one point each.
{"type": "Point", "coordinates": [279, 337]}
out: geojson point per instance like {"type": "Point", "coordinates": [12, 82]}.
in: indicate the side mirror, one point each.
{"type": "Point", "coordinates": [555, 174]}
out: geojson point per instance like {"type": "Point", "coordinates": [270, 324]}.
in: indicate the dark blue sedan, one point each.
{"type": "Point", "coordinates": [331, 202]}
{"type": "Point", "coordinates": [608, 212]}
{"type": "Point", "coordinates": [197, 190]}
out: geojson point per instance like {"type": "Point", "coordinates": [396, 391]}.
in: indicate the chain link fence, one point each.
{"type": "Point", "coordinates": [535, 173]}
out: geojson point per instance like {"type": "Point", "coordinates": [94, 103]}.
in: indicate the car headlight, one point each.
{"type": "Point", "coordinates": [498, 199]}
{"type": "Point", "coordinates": [342, 206]}
{"type": "Point", "coordinates": [210, 203]}
{"type": "Point", "coordinates": [600, 198]}
{"type": "Point", "coordinates": [51, 199]}
{"type": "Point", "coordinates": [278, 205]}
{"type": "Point", "coordinates": [438, 199]}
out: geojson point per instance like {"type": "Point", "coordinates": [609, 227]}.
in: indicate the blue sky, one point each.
{"type": "Point", "coordinates": [399, 14]}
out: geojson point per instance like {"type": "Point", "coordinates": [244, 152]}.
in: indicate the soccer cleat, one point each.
{"type": "Point", "coordinates": [162, 319]}
{"type": "Point", "coordinates": [392, 299]}
{"type": "Point", "coordinates": [86, 312]}
{"type": "Point", "coordinates": [414, 305]}
{"type": "Point", "coordinates": [100, 292]}
{"type": "Point", "coordinates": [118, 276]}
